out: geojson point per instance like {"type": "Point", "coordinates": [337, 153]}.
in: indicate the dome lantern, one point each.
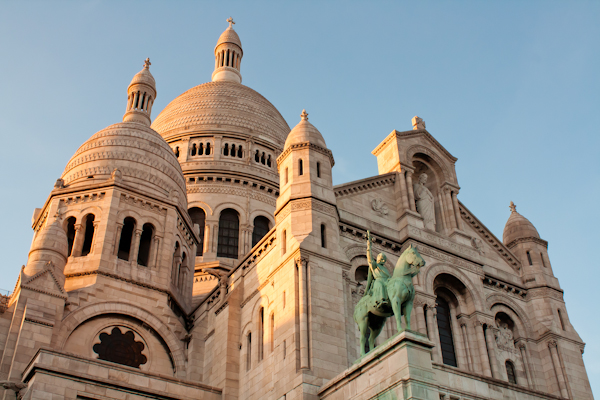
{"type": "Point", "coordinates": [228, 56]}
{"type": "Point", "coordinates": [141, 94]}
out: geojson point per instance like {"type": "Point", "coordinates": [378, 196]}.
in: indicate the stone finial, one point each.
{"type": "Point", "coordinates": [418, 123]}
{"type": "Point", "coordinates": [231, 23]}
{"type": "Point", "coordinates": [60, 184]}
{"type": "Point", "coordinates": [304, 115]}
{"type": "Point", "coordinates": [512, 207]}
{"type": "Point", "coordinates": [147, 63]}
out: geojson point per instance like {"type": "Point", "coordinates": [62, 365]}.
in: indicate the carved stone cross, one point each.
{"type": "Point", "coordinates": [147, 63]}
{"type": "Point", "coordinates": [231, 23]}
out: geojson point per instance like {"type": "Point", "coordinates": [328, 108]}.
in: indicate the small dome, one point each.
{"type": "Point", "coordinates": [305, 132]}
{"type": "Point", "coordinates": [143, 159]}
{"type": "Point", "coordinates": [52, 238]}
{"type": "Point", "coordinates": [144, 76]}
{"type": "Point", "coordinates": [229, 36]}
{"type": "Point", "coordinates": [518, 227]}
{"type": "Point", "coordinates": [222, 106]}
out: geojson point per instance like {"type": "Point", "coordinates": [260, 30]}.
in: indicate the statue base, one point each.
{"type": "Point", "coordinates": [400, 368]}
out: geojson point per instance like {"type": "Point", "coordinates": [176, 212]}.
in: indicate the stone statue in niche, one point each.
{"type": "Point", "coordinates": [424, 202]}
{"type": "Point", "coordinates": [504, 336]}
{"type": "Point", "coordinates": [386, 295]}
{"type": "Point", "coordinates": [379, 207]}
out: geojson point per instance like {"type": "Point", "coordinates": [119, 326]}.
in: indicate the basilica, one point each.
{"type": "Point", "coordinates": [206, 254]}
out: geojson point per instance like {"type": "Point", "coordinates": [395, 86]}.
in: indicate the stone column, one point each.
{"type": "Point", "coordinates": [442, 221]}
{"type": "Point", "coordinates": [217, 150]}
{"type": "Point", "coordinates": [78, 240]}
{"type": "Point", "coordinates": [463, 327]}
{"type": "Point", "coordinates": [437, 352]}
{"type": "Point", "coordinates": [491, 340]}
{"type": "Point", "coordinates": [117, 238]}
{"type": "Point", "coordinates": [135, 247]}
{"type": "Point", "coordinates": [553, 346]}
{"type": "Point", "coordinates": [421, 326]}
{"type": "Point", "coordinates": [459, 222]}
{"type": "Point", "coordinates": [525, 359]}
{"type": "Point", "coordinates": [302, 264]}
{"type": "Point", "coordinates": [449, 208]}
{"type": "Point", "coordinates": [206, 244]}
{"type": "Point", "coordinates": [93, 247]}
{"type": "Point", "coordinates": [403, 190]}
{"type": "Point", "coordinates": [483, 353]}
{"type": "Point", "coordinates": [153, 261]}
{"type": "Point", "coordinates": [411, 193]}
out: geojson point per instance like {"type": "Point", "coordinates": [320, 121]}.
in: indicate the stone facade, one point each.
{"type": "Point", "coordinates": [208, 255]}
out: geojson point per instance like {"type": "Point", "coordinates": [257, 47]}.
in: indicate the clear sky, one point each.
{"type": "Point", "coordinates": [510, 88]}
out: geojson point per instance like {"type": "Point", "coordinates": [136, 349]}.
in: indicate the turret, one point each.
{"type": "Point", "coordinates": [141, 94]}
{"type": "Point", "coordinates": [228, 56]}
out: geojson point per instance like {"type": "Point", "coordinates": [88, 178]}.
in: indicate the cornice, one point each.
{"type": "Point", "coordinates": [311, 146]}
{"type": "Point", "coordinates": [527, 239]}
{"type": "Point", "coordinates": [363, 185]}
{"type": "Point", "coordinates": [414, 133]}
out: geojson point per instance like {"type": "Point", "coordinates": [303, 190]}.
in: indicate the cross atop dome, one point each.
{"type": "Point", "coordinates": [147, 63]}
{"type": "Point", "coordinates": [231, 23]}
{"type": "Point", "coordinates": [513, 207]}
{"type": "Point", "coordinates": [304, 115]}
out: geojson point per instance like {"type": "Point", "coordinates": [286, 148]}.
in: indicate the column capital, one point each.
{"type": "Point", "coordinates": [552, 344]}
{"type": "Point", "coordinates": [301, 261]}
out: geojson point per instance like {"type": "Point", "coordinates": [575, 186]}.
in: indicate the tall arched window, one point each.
{"type": "Point", "coordinates": [261, 227]}
{"type": "Point", "coordinates": [261, 339]}
{"type": "Point", "coordinates": [529, 258]}
{"type": "Point", "coordinates": [89, 235]}
{"type": "Point", "coordinates": [249, 351]}
{"type": "Point", "coordinates": [229, 232]}
{"type": "Point", "coordinates": [198, 216]}
{"type": "Point", "coordinates": [201, 149]}
{"type": "Point", "coordinates": [182, 272]}
{"type": "Point", "coordinates": [176, 264]}
{"type": "Point", "coordinates": [145, 244]}
{"type": "Point", "coordinates": [318, 169]}
{"type": "Point", "coordinates": [240, 152]}
{"type": "Point", "coordinates": [300, 167]}
{"type": "Point", "coordinates": [510, 372]}
{"type": "Point", "coordinates": [126, 236]}
{"type": "Point", "coordinates": [445, 330]}
{"type": "Point", "coordinates": [207, 149]}
{"type": "Point", "coordinates": [193, 152]}
{"type": "Point", "coordinates": [226, 150]}
{"type": "Point", "coordinates": [323, 233]}
{"type": "Point", "coordinates": [70, 233]}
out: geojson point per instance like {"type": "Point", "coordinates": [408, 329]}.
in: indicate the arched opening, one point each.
{"type": "Point", "coordinates": [126, 236]}
{"type": "Point", "coordinates": [120, 348]}
{"type": "Point", "coordinates": [510, 372]}
{"type": "Point", "coordinates": [445, 331]}
{"type": "Point", "coordinates": [207, 149]}
{"type": "Point", "coordinates": [226, 150]}
{"type": "Point", "coordinates": [240, 153]}
{"type": "Point", "coordinates": [256, 156]}
{"type": "Point", "coordinates": [300, 167]}
{"type": "Point", "coordinates": [323, 236]}
{"type": "Point", "coordinates": [261, 227]}
{"type": "Point", "coordinates": [194, 148]}
{"type": "Point", "coordinates": [361, 274]}
{"type": "Point", "coordinates": [70, 233]}
{"type": "Point", "coordinates": [529, 258]}
{"type": "Point", "coordinates": [198, 216]}
{"type": "Point", "coordinates": [89, 235]}
{"type": "Point", "coordinates": [177, 151]}
{"type": "Point", "coordinates": [269, 161]}
{"type": "Point", "coordinates": [263, 159]}
{"type": "Point", "coordinates": [145, 245]}
{"type": "Point", "coordinates": [233, 150]}
{"type": "Point", "coordinates": [249, 351]}
{"type": "Point", "coordinates": [176, 264]}
{"type": "Point", "coordinates": [543, 262]}
{"type": "Point", "coordinates": [318, 169]}
{"type": "Point", "coordinates": [560, 318]}
{"type": "Point", "coordinates": [182, 272]}
{"type": "Point", "coordinates": [201, 149]}
{"type": "Point", "coordinates": [261, 340]}
{"type": "Point", "coordinates": [229, 231]}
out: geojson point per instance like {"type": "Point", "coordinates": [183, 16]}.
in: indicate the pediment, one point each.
{"type": "Point", "coordinates": [46, 281]}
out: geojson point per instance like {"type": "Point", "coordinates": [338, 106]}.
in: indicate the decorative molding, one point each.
{"type": "Point", "coordinates": [365, 185]}
{"type": "Point", "coordinates": [218, 311]}
{"type": "Point", "coordinates": [209, 334]}
{"type": "Point", "coordinates": [84, 198]}
{"type": "Point", "coordinates": [143, 204]}
{"type": "Point", "coordinates": [227, 190]}
{"type": "Point", "coordinates": [311, 146]}
{"type": "Point", "coordinates": [545, 291]}
{"type": "Point", "coordinates": [443, 242]}
{"type": "Point", "coordinates": [39, 322]}
{"type": "Point", "coordinates": [495, 283]}
{"type": "Point", "coordinates": [450, 259]}
{"type": "Point", "coordinates": [527, 239]}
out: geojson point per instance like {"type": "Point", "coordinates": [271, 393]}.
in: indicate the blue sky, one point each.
{"type": "Point", "coordinates": [510, 88]}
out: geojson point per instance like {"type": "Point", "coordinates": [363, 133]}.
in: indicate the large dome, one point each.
{"type": "Point", "coordinates": [144, 161]}
{"type": "Point", "coordinates": [222, 106]}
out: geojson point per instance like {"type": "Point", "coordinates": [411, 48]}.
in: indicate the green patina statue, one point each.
{"type": "Point", "coordinates": [386, 295]}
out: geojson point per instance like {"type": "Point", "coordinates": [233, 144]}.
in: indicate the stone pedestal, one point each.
{"type": "Point", "coordinates": [400, 368]}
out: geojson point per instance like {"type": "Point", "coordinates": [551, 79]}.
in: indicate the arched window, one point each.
{"type": "Point", "coordinates": [240, 153]}
{"type": "Point", "coordinates": [176, 264]}
{"type": "Point", "coordinates": [193, 152]}
{"type": "Point", "coordinates": [198, 216]}
{"type": "Point", "coordinates": [283, 242]}
{"type": "Point", "coordinates": [182, 272]}
{"type": "Point", "coordinates": [510, 372]}
{"type": "Point", "coordinates": [233, 150]}
{"type": "Point", "coordinates": [229, 231]}
{"type": "Point", "coordinates": [560, 318]}
{"type": "Point", "coordinates": [445, 330]}
{"type": "Point", "coordinates": [300, 167]}
{"type": "Point", "coordinates": [177, 151]}
{"type": "Point", "coordinates": [89, 235]}
{"type": "Point", "coordinates": [201, 149]}
{"type": "Point", "coordinates": [257, 156]}
{"type": "Point", "coordinates": [249, 351]}
{"type": "Point", "coordinates": [529, 258]}
{"type": "Point", "coordinates": [226, 150]}
{"type": "Point", "coordinates": [318, 170]}
{"type": "Point", "coordinates": [543, 262]}
{"type": "Point", "coordinates": [70, 233]}
{"type": "Point", "coordinates": [269, 161]}
{"type": "Point", "coordinates": [126, 236]}
{"type": "Point", "coordinates": [261, 227]}
{"type": "Point", "coordinates": [361, 274]}
{"type": "Point", "coordinates": [323, 233]}
{"type": "Point", "coordinates": [263, 159]}
{"type": "Point", "coordinates": [207, 149]}
{"type": "Point", "coordinates": [145, 244]}
{"type": "Point", "coordinates": [261, 339]}
{"type": "Point", "coordinates": [120, 348]}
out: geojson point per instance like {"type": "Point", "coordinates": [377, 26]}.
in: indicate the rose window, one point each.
{"type": "Point", "coordinates": [120, 348]}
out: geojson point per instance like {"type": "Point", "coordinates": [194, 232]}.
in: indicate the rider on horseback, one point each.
{"type": "Point", "coordinates": [378, 277]}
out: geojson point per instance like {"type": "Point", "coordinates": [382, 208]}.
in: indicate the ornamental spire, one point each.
{"type": "Point", "coordinates": [228, 56]}
{"type": "Point", "coordinates": [304, 115]}
{"type": "Point", "coordinates": [513, 207]}
{"type": "Point", "coordinates": [141, 94]}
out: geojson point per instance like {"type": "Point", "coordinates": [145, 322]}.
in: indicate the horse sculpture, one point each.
{"type": "Point", "coordinates": [385, 295]}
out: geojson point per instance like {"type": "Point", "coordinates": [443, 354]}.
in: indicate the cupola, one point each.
{"type": "Point", "coordinates": [518, 227]}
{"type": "Point", "coordinates": [228, 56]}
{"type": "Point", "coordinates": [50, 244]}
{"type": "Point", "coordinates": [141, 94]}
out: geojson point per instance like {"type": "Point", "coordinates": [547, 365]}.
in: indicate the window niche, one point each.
{"type": "Point", "coordinates": [145, 245]}
{"type": "Point", "coordinates": [88, 235]}
{"type": "Point", "coordinates": [198, 216]}
{"type": "Point", "coordinates": [261, 228]}
{"type": "Point", "coordinates": [424, 164]}
{"type": "Point", "coordinates": [126, 238]}
{"type": "Point", "coordinates": [70, 229]}
{"type": "Point", "coordinates": [229, 232]}
{"type": "Point", "coordinates": [121, 348]}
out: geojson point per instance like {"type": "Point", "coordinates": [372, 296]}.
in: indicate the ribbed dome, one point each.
{"type": "Point", "coordinates": [229, 36]}
{"type": "Point", "coordinates": [305, 132]}
{"type": "Point", "coordinates": [222, 106]}
{"type": "Point", "coordinates": [518, 227]}
{"type": "Point", "coordinates": [144, 160]}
